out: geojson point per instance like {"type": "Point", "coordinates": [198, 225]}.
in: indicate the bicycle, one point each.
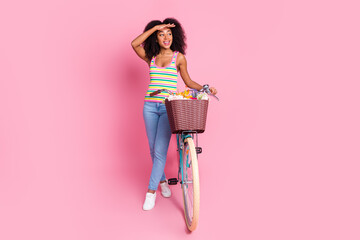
{"type": "Point", "coordinates": [188, 174]}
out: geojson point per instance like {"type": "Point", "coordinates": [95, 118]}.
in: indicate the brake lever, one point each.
{"type": "Point", "coordinates": [206, 89]}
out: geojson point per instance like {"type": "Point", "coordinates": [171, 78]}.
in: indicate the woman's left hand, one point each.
{"type": "Point", "coordinates": [213, 90]}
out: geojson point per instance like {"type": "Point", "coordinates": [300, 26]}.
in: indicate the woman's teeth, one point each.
{"type": "Point", "coordinates": [167, 43]}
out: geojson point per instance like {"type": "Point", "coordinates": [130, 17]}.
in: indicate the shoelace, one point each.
{"type": "Point", "coordinates": [164, 186]}
{"type": "Point", "coordinates": [150, 196]}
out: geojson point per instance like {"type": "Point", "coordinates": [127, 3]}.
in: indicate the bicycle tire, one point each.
{"type": "Point", "coordinates": [190, 184]}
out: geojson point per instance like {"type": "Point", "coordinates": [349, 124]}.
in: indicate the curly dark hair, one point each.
{"type": "Point", "coordinates": [152, 48]}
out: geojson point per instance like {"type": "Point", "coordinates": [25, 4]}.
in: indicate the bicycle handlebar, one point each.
{"type": "Point", "coordinates": [159, 91]}
{"type": "Point", "coordinates": [205, 89]}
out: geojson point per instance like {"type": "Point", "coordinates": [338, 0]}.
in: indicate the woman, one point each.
{"type": "Point", "coordinates": [162, 46]}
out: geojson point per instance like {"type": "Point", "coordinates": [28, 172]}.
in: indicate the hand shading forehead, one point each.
{"type": "Point", "coordinates": [165, 30]}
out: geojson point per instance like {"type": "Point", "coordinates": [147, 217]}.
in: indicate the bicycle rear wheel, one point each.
{"type": "Point", "coordinates": [190, 184]}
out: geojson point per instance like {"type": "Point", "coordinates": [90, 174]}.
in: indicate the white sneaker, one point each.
{"type": "Point", "coordinates": [165, 190]}
{"type": "Point", "coordinates": [149, 201]}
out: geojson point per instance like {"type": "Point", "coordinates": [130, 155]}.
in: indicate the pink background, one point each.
{"type": "Point", "coordinates": [281, 149]}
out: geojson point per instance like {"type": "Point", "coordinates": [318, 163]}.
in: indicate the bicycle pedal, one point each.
{"type": "Point", "coordinates": [198, 150]}
{"type": "Point", "coordinates": [172, 181]}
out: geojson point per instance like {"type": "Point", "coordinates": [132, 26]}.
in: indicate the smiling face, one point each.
{"type": "Point", "coordinates": [164, 38]}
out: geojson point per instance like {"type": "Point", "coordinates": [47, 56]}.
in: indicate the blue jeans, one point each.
{"type": "Point", "coordinates": [159, 133]}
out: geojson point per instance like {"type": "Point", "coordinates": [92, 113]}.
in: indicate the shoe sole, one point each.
{"type": "Point", "coordinates": [165, 196]}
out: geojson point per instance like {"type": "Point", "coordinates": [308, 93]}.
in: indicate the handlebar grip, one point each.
{"type": "Point", "coordinates": [155, 93]}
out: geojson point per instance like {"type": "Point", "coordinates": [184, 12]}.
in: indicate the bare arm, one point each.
{"type": "Point", "coordinates": [185, 75]}
{"type": "Point", "coordinates": [136, 43]}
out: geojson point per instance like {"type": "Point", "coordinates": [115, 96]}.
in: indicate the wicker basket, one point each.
{"type": "Point", "coordinates": [187, 115]}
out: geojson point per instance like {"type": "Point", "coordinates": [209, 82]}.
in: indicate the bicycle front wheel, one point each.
{"type": "Point", "coordinates": [190, 184]}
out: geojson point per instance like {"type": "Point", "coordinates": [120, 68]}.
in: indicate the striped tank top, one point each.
{"type": "Point", "coordinates": [162, 77]}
